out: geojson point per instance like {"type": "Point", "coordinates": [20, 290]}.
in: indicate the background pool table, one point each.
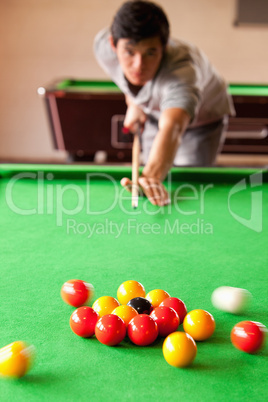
{"type": "Point", "coordinates": [64, 222]}
{"type": "Point", "coordinates": [87, 116]}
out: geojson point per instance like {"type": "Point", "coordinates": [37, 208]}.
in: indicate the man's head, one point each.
{"type": "Point", "coordinates": [139, 34]}
{"type": "Point", "coordinates": [138, 20]}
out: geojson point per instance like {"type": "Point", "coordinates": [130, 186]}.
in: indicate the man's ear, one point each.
{"type": "Point", "coordinates": [111, 40]}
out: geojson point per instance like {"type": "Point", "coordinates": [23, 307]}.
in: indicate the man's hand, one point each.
{"type": "Point", "coordinates": [134, 117]}
{"type": "Point", "coordinates": [152, 188]}
{"type": "Point", "coordinates": [171, 126]}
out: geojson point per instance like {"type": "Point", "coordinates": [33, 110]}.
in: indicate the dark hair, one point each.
{"type": "Point", "coordinates": [140, 20]}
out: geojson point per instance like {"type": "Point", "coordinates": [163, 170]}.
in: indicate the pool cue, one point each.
{"type": "Point", "coordinates": [135, 168]}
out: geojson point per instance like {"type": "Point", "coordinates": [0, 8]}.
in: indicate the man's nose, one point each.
{"type": "Point", "coordinates": [138, 61]}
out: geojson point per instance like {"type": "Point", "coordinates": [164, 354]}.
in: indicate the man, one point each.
{"type": "Point", "coordinates": [171, 90]}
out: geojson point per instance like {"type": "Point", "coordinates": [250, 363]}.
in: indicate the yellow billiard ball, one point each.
{"type": "Point", "coordinates": [105, 305]}
{"type": "Point", "coordinates": [16, 359]}
{"type": "Point", "coordinates": [128, 290]}
{"type": "Point", "coordinates": [200, 324]}
{"type": "Point", "coordinates": [156, 297]}
{"type": "Point", "coordinates": [125, 312]}
{"type": "Point", "coordinates": [179, 349]}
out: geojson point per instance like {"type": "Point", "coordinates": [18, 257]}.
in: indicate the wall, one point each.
{"type": "Point", "coordinates": [42, 40]}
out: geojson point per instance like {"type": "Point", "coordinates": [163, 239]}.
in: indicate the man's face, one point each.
{"type": "Point", "coordinates": [139, 61]}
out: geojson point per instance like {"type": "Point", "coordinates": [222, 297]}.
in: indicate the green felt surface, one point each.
{"type": "Point", "coordinates": [58, 224]}
{"type": "Point", "coordinates": [87, 86]}
{"type": "Point", "coordinates": [69, 85]}
{"type": "Point", "coordinates": [248, 89]}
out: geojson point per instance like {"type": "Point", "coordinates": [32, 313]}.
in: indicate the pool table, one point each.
{"type": "Point", "coordinates": [248, 130]}
{"type": "Point", "coordinates": [87, 116]}
{"type": "Point", "coordinates": [61, 222]}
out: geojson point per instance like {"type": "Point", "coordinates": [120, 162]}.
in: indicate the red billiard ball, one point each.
{"type": "Point", "coordinates": [76, 292]}
{"type": "Point", "coordinates": [248, 336]}
{"type": "Point", "coordinates": [167, 320]}
{"type": "Point", "coordinates": [83, 321]}
{"type": "Point", "coordinates": [110, 330]}
{"type": "Point", "coordinates": [178, 305]}
{"type": "Point", "coordinates": [142, 330]}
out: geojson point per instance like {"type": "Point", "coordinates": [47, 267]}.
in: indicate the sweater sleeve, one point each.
{"type": "Point", "coordinates": [104, 54]}
{"type": "Point", "coordinates": [180, 90]}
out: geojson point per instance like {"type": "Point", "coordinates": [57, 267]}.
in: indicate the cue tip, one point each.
{"type": "Point", "coordinates": [135, 203]}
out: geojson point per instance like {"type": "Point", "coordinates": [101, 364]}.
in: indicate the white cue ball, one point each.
{"type": "Point", "coordinates": [229, 299]}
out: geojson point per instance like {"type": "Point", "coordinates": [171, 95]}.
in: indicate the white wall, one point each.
{"type": "Point", "coordinates": [42, 40]}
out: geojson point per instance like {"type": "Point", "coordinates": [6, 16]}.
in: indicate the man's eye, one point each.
{"type": "Point", "coordinates": [151, 53]}
{"type": "Point", "coordinates": [129, 52]}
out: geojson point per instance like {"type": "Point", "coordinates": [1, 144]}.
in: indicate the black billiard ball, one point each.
{"type": "Point", "coordinates": [141, 305]}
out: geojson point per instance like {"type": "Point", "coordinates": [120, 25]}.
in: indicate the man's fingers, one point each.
{"type": "Point", "coordinates": [134, 118]}
{"type": "Point", "coordinates": [127, 183]}
{"type": "Point", "coordinates": [149, 190]}
{"type": "Point", "coordinates": [155, 191]}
